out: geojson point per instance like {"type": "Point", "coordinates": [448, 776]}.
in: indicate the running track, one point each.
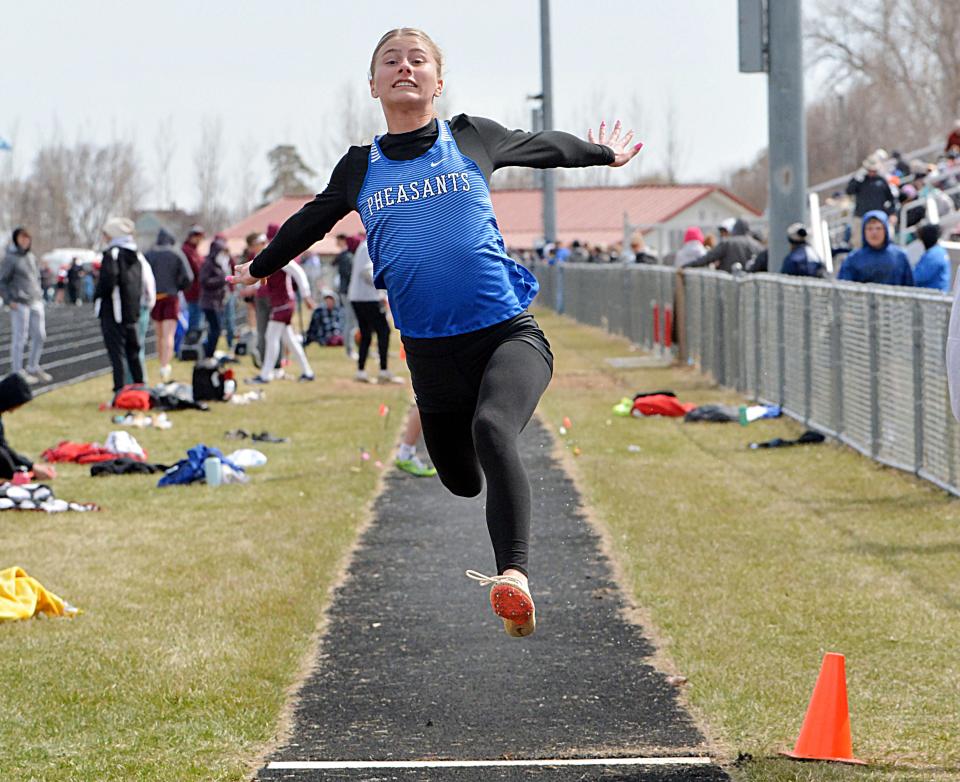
{"type": "Point", "coordinates": [74, 348]}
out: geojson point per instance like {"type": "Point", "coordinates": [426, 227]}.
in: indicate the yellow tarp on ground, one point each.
{"type": "Point", "coordinates": [22, 597]}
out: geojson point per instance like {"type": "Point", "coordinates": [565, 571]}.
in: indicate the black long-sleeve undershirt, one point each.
{"type": "Point", "coordinates": [490, 145]}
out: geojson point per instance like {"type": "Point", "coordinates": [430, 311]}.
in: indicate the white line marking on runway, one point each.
{"type": "Point", "coordinates": [296, 765]}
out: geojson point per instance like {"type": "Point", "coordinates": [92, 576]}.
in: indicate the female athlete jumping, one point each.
{"type": "Point", "coordinates": [478, 361]}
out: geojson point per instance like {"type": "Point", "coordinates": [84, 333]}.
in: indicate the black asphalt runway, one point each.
{"type": "Point", "coordinates": [414, 664]}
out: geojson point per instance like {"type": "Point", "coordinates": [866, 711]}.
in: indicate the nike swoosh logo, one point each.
{"type": "Point", "coordinates": [433, 165]}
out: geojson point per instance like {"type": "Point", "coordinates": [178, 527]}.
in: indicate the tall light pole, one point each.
{"type": "Point", "coordinates": [546, 97]}
{"type": "Point", "coordinates": [771, 42]}
{"type": "Point", "coordinates": [787, 126]}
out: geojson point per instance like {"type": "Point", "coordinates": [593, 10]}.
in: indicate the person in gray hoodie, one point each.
{"type": "Point", "coordinates": [20, 289]}
{"type": "Point", "coordinates": [738, 248]}
{"type": "Point", "coordinates": [173, 274]}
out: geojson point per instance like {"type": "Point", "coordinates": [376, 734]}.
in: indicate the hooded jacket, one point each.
{"type": "Point", "coordinates": [171, 270]}
{"type": "Point", "coordinates": [192, 293]}
{"type": "Point", "coordinates": [738, 248]}
{"type": "Point", "coordinates": [886, 266]}
{"type": "Point", "coordinates": [802, 261]}
{"type": "Point", "coordinates": [14, 392]}
{"type": "Point", "coordinates": [19, 276]}
{"type": "Point", "coordinates": [120, 288]}
{"type": "Point", "coordinates": [933, 268]}
{"type": "Point", "coordinates": [213, 277]}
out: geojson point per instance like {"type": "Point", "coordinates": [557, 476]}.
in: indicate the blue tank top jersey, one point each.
{"type": "Point", "coordinates": [435, 243]}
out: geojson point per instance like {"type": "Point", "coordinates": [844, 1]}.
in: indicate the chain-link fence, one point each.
{"type": "Point", "coordinates": [862, 363]}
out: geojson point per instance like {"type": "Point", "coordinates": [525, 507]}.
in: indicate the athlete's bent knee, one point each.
{"type": "Point", "coordinates": [462, 487]}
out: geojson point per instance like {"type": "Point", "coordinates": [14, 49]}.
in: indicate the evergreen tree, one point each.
{"type": "Point", "coordinates": [288, 172]}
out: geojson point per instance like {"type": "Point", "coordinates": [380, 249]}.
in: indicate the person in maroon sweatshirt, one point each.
{"type": "Point", "coordinates": [192, 294]}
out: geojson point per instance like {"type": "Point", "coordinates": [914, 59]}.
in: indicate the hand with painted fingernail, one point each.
{"type": "Point", "coordinates": [623, 152]}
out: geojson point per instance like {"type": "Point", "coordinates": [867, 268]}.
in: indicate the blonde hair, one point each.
{"type": "Point", "coordinates": [412, 32]}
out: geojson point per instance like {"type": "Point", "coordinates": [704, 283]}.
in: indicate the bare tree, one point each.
{"type": "Point", "coordinates": [674, 149]}
{"type": "Point", "coordinates": [72, 190]}
{"type": "Point", "coordinates": [358, 121]}
{"type": "Point", "coordinates": [246, 179]}
{"type": "Point", "coordinates": [208, 163]}
{"type": "Point", "coordinates": [164, 147]}
{"type": "Point", "coordinates": [900, 59]}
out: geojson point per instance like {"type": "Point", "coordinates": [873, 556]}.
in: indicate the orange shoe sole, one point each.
{"type": "Point", "coordinates": [515, 607]}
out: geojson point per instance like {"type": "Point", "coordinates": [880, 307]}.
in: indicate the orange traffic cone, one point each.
{"type": "Point", "coordinates": [825, 734]}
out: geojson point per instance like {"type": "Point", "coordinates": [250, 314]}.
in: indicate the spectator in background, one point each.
{"type": "Point", "coordinates": [325, 322]}
{"type": "Point", "coordinates": [47, 282]}
{"type": "Point", "coordinates": [898, 166]}
{"type": "Point", "coordinates": [344, 266]}
{"type": "Point", "coordinates": [229, 322]}
{"type": "Point", "coordinates": [639, 250]}
{"type": "Point", "coordinates": [148, 300]}
{"type": "Point", "coordinates": [369, 306]}
{"type": "Point", "coordinates": [75, 282]}
{"type": "Point", "coordinates": [213, 291]}
{"type": "Point", "coordinates": [120, 290]}
{"type": "Point", "coordinates": [692, 249]}
{"type": "Point", "coordinates": [255, 243]}
{"type": "Point", "coordinates": [172, 274]}
{"type": "Point", "coordinates": [14, 393]}
{"type": "Point", "coordinates": [561, 252]}
{"type": "Point", "coordinates": [263, 307]}
{"type": "Point", "coordinates": [578, 253]}
{"type": "Point", "coordinates": [801, 261]}
{"type": "Point", "coordinates": [953, 140]}
{"type": "Point", "coordinates": [313, 268]}
{"type": "Point", "coordinates": [872, 192]}
{"type": "Point", "coordinates": [735, 250]}
{"type": "Point", "coordinates": [879, 260]}
{"type": "Point", "coordinates": [725, 228]}
{"type": "Point", "coordinates": [20, 288]}
{"type": "Point", "coordinates": [280, 295]}
{"type": "Point", "coordinates": [192, 294]}
{"type": "Point", "coordinates": [933, 268]}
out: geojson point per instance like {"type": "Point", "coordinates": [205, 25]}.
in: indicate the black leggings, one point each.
{"type": "Point", "coordinates": [480, 441]}
{"type": "Point", "coordinates": [122, 343]}
{"type": "Point", "coordinates": [372, 317]}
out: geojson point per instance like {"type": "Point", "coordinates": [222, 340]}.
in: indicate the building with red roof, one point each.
{"type": "Point", "coordinates": [593, 215]}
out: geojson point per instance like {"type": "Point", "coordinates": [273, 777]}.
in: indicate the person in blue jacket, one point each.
{"type": "Point", "coordinates": [801, 261]}
{"type": "Point", "coordinates": [879, 260]}
{"type": "Point", "coordinates": [933, 268]}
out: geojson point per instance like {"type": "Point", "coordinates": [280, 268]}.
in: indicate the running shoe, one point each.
{"type": "Point", "coordinates": [416, 467]}
{"type": "Point", "coordinates": [31, 379]}
{"type": "Point", "coordinates": [43, 377]}
{"type": "Point", "coordinates": [386, 376]}
{"type": "Point", "coordinates": [361, 376]}
{"type": "Point", "coordinates": [256, 381]}
{"type": "Point", "coordinates": [305, 378]}
{"type": "Point", "coordinates": [511, 601]}
{"type": "Point", "coordinates": [166, 372]}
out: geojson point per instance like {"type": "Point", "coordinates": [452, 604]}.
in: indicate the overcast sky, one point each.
{"type": "Point", "coordinates": [276, 72]}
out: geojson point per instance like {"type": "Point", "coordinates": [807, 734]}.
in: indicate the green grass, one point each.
{"type": "Point", "coordinates": [200, 604]}
{"type": "Point", "coordinates": [752, 564]}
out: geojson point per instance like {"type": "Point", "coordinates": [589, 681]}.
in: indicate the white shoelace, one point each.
{"type": "Point", "coordinates": [487, 580]}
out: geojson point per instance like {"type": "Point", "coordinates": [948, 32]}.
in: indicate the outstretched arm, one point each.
{"type": "Point", "coordinates": [546, 149]}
